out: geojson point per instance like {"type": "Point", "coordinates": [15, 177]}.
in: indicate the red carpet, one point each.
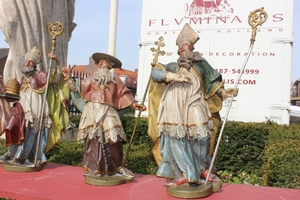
{"type": "Point", "coordinates": [67, 182]}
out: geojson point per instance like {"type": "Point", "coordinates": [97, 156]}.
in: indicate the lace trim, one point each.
{"type": "Point", "coordinates": [180, 131]}
{"type": "Point", "coordinates": [96, 132]}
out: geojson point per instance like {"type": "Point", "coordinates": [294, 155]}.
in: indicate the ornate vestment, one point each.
{"type": "Point", "coordinates": [15, 126]}
{"type": "Point", "coordinates": [56, 115]}
{"type": "Point", "coordinates": [183, 119]}
{"type": "Point", "coordinates": [100, 125]}
{"type": "Point", "coordinates": [32, 93]}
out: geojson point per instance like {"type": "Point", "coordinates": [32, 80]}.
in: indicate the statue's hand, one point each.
{"type": "Point", "coordinates": [182, 78]}
{"type": "Point", "coordinates": [177, 77]}
{"type": "Point", "coordinates": [230, 92]}
{"type": "Point", "coordinates": [66, 71]}
{"type": "Point", "coordinates": [54, 57]}
{"type": "Point", "coordinates": [137, 106]}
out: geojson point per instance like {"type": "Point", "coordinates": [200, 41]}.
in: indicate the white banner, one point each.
{"type": "Point", "coordinates": [222, 25]}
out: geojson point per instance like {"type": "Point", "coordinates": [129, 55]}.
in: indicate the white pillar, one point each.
{"type": "Point", "coordinates": [113, 27]}
{"type": "Point", "coordinates": [112, 34]}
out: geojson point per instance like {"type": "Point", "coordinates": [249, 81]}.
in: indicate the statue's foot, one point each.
{"type": "Point", "coordinates": [95, 174]}
{"type": "Point", "coordinates": [27, 163]}
{"type": "Point", "coordinates": [177, 182]}
{"type": "Point", "coordinates": [87, 173]}
{"type": "Point", "coordinates": [14, 161]}
{"type": "Point", "coordinates": [5, 157]}
{"type": "Point", "coordinates": [98, 175]}
{"type": "Point", "coordinates": [127, 174]}
{"type": "Point", "coordinates": [212, 177]}
{"type": "Point", "coordinates": [39, 162]}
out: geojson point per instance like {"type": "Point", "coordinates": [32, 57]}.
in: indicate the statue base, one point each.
{"type": "Point", "coordinates": [105, 180]}
{"type": "Point", "coordinates": [191, 192]}
{"type": "Point", "coordinates": [16, 167]}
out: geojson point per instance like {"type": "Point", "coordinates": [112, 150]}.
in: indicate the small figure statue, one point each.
{"type": "Point", "coordinates": [193, 92]}
{"type": "Point", "coordinates": [24, 127]}
{"type": "Point", "coordinates": [4, 108]}
{"type": "Point", "coordinates": [12, 89]}
{"type": "Point", "coordinates": [103, 94]}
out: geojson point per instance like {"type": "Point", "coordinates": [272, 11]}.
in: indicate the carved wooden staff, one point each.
{"type": "Point", "coordinates": [255, 18]}
{"type": "Point", "coordinates": [158, 52]}
{"type": "Point", "coordinates": [55, 29]}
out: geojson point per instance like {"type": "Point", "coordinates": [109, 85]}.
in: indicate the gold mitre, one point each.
{"type": "Point", "coordinates": [34, 54]}
{"type": "Point", "coordinates": [187, 34]}
{"type": "Point", "coordinates": [12, 86]}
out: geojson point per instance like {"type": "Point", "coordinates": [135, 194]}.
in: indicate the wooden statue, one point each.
{"type": "Point", "coordinates": [191, 98]}
{"type": "Point", "coordinates": [99, 96]}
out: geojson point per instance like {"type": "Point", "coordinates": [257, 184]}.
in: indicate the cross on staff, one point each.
{"type": "Point", "coordinates": [157, 51]}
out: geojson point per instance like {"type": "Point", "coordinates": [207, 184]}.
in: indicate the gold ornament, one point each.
{"type": "Point", "coordinates": [12, 87]}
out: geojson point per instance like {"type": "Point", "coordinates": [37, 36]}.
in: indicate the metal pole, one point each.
{"type": "Point", "coordinates": [55, 29]}
{"type": "Point", "coordinates": [256, 18]}
{"type": "Point", "coordinates": [158, 52]}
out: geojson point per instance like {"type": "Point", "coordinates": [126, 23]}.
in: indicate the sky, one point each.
{"type": "Point", "coordinates": [91, 33]}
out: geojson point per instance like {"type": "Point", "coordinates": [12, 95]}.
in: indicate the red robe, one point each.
{"type": "Point", "coordinates": [37, 81]}
{"type": "Point", "coordinates": [116, 95]}
{"type": "Point", "coordinates": [104, 157]}
{"type": "Point", "coordinates": [15, 127]}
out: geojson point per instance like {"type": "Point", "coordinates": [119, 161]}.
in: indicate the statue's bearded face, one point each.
{"type": "Point", "coordinates": [29, 68]}
{"type": "Point", "coordinates": [185, 52]}
{"type": "Point", "coordinates": [185, 49]}
{"type": "Point", "coordinates": [103, 76]}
